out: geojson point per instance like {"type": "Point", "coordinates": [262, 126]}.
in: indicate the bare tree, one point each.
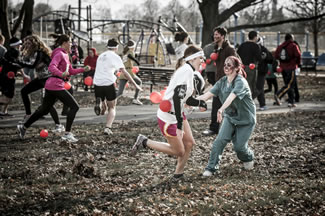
{"type": "Point", "coordinates": [213, 16]}
{"type": "Point", "coordinates": [26, 14]}
{"type": "Point", "coordinates": [4, 22]}
{"type": "Point", "coordinates": [310, 8]}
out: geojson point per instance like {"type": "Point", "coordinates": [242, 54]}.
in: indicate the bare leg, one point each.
{"type": "Point", "coordinates": [111, 112]}
{"type": "Point", "coordinates": [188, 142]}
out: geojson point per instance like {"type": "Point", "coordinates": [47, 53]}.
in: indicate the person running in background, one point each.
{"type": "Point", "coordinates": [237, 116]}
{"type": "Point", "coordinates": [173, 124]}
{"type": "Point", "coordinates": [250, 53]}
{"type": "Point", "coordinates": [182, 38]}
{"type": "Point", "coordinates": [39, 59]}
{"type": "Point", "coordinates": [60, 68]}
{"type": "Point", "coordinates": [10, 68]}
{"type": "Point", "coordinates": [289, 66]}
{"type": "Point", "coordinates": [128, 59]}
{"type": "Point", "coordinates": [108, 63]}
{"type": "Point", "coordinates": [270, 77]}
{"type": "Point", "coordinates": [91, 61]}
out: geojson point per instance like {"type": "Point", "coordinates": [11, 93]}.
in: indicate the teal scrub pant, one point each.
{"type": "Point", "coordinates": [239, 135]}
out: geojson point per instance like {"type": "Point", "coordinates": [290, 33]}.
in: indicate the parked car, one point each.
{"type": "Point", "coordinates": [308, 60]}
{"type": "Point", "coordinates": [320, 65]}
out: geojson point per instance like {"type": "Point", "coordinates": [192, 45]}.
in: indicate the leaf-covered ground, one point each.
{"type": "Point", "coordinates": [97, 177]}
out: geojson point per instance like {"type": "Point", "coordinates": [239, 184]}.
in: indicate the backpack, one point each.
{"type": "Point", "coordinates": [284, 56]}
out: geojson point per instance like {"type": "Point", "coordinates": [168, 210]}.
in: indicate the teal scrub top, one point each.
{"type": "Point", "coordinates": [242, 110]}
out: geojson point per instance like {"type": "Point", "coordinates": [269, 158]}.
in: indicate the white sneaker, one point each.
{"type": "Point", "coordinates": [207, 173]}
{"type": "Point", "coordinates": [137, 102]}
{"type": "Point", "coordinates": [108, 131]}
{"type": "Point", "coordinates": [249, 165]}
{"type": "Point", "coordinates": [69, 137]}
{"type": "Point", "coordinates": [59, 128]}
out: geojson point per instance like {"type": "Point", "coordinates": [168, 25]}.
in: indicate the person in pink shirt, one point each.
{"type": "Point", "coordinates": [60, 68]}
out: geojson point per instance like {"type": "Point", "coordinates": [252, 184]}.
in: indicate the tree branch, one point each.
{"type": "Point", "coordinates": [274, 23]}
{"type": "Point", "coordinates": [18, 21]}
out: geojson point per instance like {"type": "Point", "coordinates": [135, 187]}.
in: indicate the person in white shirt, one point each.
{"type": "Point", "coordinates": [108, 64]}
{"type": "Point", "coordinates": [182, 38]}
{"type": "Point", "coordinates": [173, 124]}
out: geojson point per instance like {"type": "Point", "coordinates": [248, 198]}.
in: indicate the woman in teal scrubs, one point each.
{"type": "Point", "coordinates": [237, 114]}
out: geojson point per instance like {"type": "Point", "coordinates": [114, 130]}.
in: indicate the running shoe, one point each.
{"type": "Point", "coordinates": [249, 165]}
{"type": "Point", "coordinates": [97, 106]}
{"type": "Point", "coordinates": [108, 131]}
{"type": "Point", "coordinates": [139, 144]}
{"type": "Point", "coordinates": [69, 137]}
{"type": "Point", "coordinates": [21, 131]}
{"type": "Point", "coordinates": [59, 128]}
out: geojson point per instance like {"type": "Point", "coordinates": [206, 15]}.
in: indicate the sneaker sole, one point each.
{"type": "Point", "coordinates": [134, 147]}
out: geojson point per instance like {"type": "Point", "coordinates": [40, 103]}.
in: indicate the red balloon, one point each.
{"type": "Point", "coordinates": [135, 69]}
{"type": "Point", "coordinates": [67, 85]}
{"type": "Point", "coordinates": [44, 133]}
{"type": "Point", "coordinates": [208, 61]}
{"type": "Point", "coordinates": [279, 69]}
{"type": "Point", "coordinates": [214, 56]}
{"type": "Point", "coordinates": [88, 81]}
{"type": "Point", "coordinates": [26, 81]}
{"type": "Point", "coordinates": [155, 97]}
{"type": "Point", "coordinates": [203, 65]}
{"type": "Point", "coordinates": [252, 66]}
{"type": "Point", "coordinates": [165, 106]}
{"type": "Point", "coordinates": [118, 74]}
{"type": "Point", "coordinates": [11, 75]}
{"type": "Point", "coordinates": [162, 92]}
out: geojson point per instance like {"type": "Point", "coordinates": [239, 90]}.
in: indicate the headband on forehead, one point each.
{"type": "Point", "coordinates": [195, 55]}
{"type": "Point", "coordinates": [112, 47]}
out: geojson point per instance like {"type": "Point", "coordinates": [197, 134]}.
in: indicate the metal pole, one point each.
{"type": "Point", "coordinates": [79, 20]}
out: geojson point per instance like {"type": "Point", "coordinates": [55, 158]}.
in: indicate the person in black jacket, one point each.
{"type": "Point", "coordinates": [266, 58]}
{"type": "Point", "coordinates": [9, 71]}
{"type": "Point", "coordinates": [39, 59]}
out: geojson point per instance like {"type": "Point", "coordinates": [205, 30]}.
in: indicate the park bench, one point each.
{"type": "Point", "coordinates": [155, 75]}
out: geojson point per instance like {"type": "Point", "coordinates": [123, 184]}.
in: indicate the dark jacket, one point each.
{"type": "Point", "coordinates": [267, 58]}
{"type": "Point", "coordinates": [249, 52]}
{"type": "Point", "coordinates": [293, 52]}
{"type": "Point", "coordinates": [40, 62]}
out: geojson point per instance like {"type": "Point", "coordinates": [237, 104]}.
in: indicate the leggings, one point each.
{"type": "Point", "coordinates": [122, 84]}
{"type": "Point", "coordinates": [33, 86]}
{"type": "Point", "coordinates": [49, 100]}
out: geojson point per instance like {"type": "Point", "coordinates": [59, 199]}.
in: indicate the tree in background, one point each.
{"type": "Point", "coordinates": [4, 22]}
{"type": "Point", "coordinates": [214, 15]}
{"type": "Point", "coordinates": [309, 8]}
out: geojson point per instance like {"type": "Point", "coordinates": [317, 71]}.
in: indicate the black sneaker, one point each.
{"type": "Point", "coordinates": [21, 131]}
{"type": "Point", "coordinates": [139, 144]}
{"type": "Point", "coordinates": [97, 106]}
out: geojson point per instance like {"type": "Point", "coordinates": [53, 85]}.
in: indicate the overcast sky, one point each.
{"type": "Point", "coordinates": [115, 5]}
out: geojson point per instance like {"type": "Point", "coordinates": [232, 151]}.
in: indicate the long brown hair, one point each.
{"type": "Point", "coordinates": [36, 45]}
{"type": "Point", "coordinates": [189, 51]}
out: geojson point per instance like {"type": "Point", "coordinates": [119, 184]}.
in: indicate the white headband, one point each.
{"type": "Point", "coordinates": [112, 47]}
{"type": "Point", "coordinates": [16, 43]}
{"type": "Point", "coordinates": [193, 56]}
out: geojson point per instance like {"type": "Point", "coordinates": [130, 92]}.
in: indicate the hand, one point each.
{"type": "Point", "coordinates": [219, 115]}
{"type": "Point", "coordinates": [202, 109]}
{"type": "Point", "coordinates": [180, 133]}
{"type": "Point", "coordinates": [87, 68]}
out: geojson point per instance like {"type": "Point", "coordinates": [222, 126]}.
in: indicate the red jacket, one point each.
{"type": "Point", "coordinates": [91, 61]}
{"type": "Point", "coordinates": [293, 52]}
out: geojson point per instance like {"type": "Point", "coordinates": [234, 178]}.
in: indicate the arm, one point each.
{"type": "Point", "coordinates": [53, 67]}
{"type": "Point", "coordinates": [133, 59]}
{"type": "Point", "coordinates": [228, 101]}
{"type": "Point", "coordinates": [206, 96]}
{"type": "Point", "coordinates": [128, 76]}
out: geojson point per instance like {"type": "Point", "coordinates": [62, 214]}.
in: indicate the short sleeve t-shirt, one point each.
{"type": "Point", "coordinates": [107, 64]}
{"type": "Point", "coordinates": [242, 110]}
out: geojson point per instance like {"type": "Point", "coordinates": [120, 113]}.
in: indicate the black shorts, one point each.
{"type": "Point", "coordinates": [108, 92]}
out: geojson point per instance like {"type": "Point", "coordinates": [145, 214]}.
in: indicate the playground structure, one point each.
{"type": "Point", "coordinates": [152, 47]}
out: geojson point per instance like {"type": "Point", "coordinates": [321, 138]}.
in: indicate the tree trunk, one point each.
{"type": "Point", "coordinates": [4, 23]}
{"type": "Point", "coordinates": [210, 11]}
{"type": "Point", "coordinates": [28, 19]}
